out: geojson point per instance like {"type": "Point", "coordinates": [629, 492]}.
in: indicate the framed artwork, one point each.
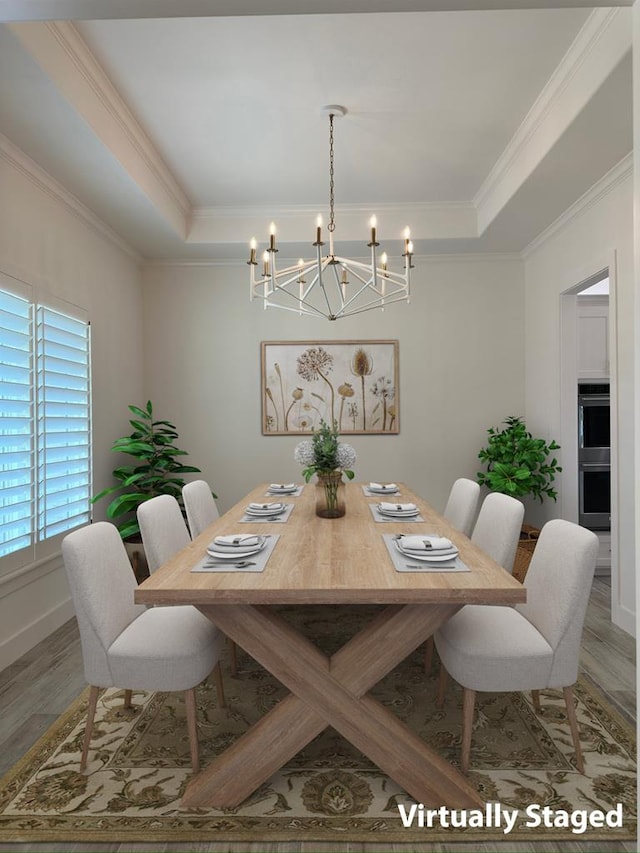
{"type": "Point", "coordinates": [354, 383]}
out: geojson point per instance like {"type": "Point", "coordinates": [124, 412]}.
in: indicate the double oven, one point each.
{"type": "Point", "coordinates": [594, 455]}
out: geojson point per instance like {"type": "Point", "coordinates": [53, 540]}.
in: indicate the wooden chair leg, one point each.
{"type": "Point", "coordinates": [127, 698]}
{"type": "Point", "coordinates": [468, 704]}
{"type": "Point", "coordinates": [192, 727]}
{"type": "Point", "coordinates": [217, 674]}
{"type": "Point", "coordinates": [535, 696]}
{"type": "Point", "coordinates": [233, 651]}
{"type": "Point", "coordinates": [573, 724]}
{"type": "Point", "coordinates": [88, 729]}
{"type": "Point", "coordinates": [428, 656]}
{"type": "Point", "coordinates": [442, 686]}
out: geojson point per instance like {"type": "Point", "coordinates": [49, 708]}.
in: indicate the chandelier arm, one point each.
{"type": "Point", "coordinates": [371, 306]}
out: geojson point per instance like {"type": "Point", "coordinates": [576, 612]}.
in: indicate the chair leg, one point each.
{"type": "Point", "coordinates": [468, 704]}
{"type": "Point", "coordinates": [192, 728]}
{"type": "Point", "coordinates": [535, 696]}
{"type": "Point", "coordinates": [428, 656]}
{"type": "Point", "coordinates": [233, 651]}
{"type": "Point", "coordinates": [442, 686]}
{"type": "Point", "coordinates": [88, 729]}
{"type": "Point", "coordinates": [217, 674]}
{"type": "Point", "coordinates": [127, 698]}
{"type": "Point", "coordinates": [573, 724]}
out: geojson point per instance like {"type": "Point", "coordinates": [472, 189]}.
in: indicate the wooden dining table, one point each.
{"type": "Point", "coordinates": [330, 562]}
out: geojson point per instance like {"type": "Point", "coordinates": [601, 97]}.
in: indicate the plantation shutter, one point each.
{"type": "Point", "coordinates": [63, 422]}
{"type": "Point", "coordinates": [16, 421]}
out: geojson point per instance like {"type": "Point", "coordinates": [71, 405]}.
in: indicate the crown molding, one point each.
{"type": "Point", "coordinates": [597, 49]}
{"type": "Point", "coordinates": [65, 57]}
{"type": "Point", "coordinates": [620, 172]}
{"type": "Point", "coordinates": [296, 223]}
{"type": "Point", "coordinates": [23, 164]}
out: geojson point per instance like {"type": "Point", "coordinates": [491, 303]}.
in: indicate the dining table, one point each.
{"type": "Point", "coordinates": [332, 562]}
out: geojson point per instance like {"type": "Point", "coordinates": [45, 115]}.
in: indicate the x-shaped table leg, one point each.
{"type": "Point", "coordinates": [330, 692]}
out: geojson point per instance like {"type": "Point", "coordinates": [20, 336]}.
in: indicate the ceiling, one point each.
{"type": "Point", "coordinates": [188, 135]}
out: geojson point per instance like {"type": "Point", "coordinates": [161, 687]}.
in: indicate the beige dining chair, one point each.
{"type": "Point", "coordinates": [164, 533]}
{"type": "Point", "coordinates": [497, 532]}
{"type": "Point", "coordinates": [199, 505]}
{"type": "Point", "coordinates": [462, 505]}
{"type": "Point", "coordinates": [127, 645]}
{"type": "Point", "coordinates": [532, 646]}
{"type": "Point", "coordinates": [162, 528]}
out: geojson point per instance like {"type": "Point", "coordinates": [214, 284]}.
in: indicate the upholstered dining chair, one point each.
{"type": "Point", "coordinates": [532, 646]}
{"type": "Point", "coordinates": [496, 531]}
{"type": "Point", "coordinates": [200, 506]}
{"type": "Point", "coordinates": [462, 504]}
{"type": "Point", "coordinates": [127, 645]}
{"type": "Point", "coordinates": [164, 533]}
{"type": "Point", "coordinates": [162, 528]}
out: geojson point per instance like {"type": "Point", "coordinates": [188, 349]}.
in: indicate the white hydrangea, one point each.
{"type": "Point", "coordinates": [346, 456]}
{"type": "Point", "coordinates": [303, 454]}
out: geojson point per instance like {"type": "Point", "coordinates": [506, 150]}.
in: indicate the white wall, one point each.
{"type": "Point", "coordinates": [601, 234]}
{"type": "Point", "coordinates": [202, 364]}
{"type": "Point", "coordinates": [44, 243]}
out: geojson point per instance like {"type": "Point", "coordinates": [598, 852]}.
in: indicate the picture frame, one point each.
{"type": "Point", "coordinates": [353, 382]}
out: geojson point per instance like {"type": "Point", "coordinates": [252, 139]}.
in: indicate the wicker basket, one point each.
{"type": "Point", "coordinates": [524, 552]}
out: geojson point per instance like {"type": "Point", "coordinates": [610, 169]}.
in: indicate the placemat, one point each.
{"type": "Point", "coordinates": [404, 563]}
{"type": "Point", "coordinates": [378, 516]}
{"type": "Point", "coordinates": [258, 561]}
{"type": "Point", "coordinates": [272, 519]}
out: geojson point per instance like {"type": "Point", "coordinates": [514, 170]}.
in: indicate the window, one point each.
{"type": "Point", "coordinates": [45, 421]}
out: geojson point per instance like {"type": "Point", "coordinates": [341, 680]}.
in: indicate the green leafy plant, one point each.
{"type": "Point", "coordinates": [155, 470]}
{"type": "Point", "coordinates": [518, 464]}
{"type": "Point", "coordinates": [325, 453]}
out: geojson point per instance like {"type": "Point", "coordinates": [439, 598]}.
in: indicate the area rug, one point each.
{"type": "Point", "coordinates": [139, 765]}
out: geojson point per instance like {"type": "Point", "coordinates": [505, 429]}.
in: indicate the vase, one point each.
{"type": "Point", "coordinates": [330, 495]}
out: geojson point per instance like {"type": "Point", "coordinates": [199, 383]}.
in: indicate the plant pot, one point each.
{"type": "Point", "coordinates": [330, 501]}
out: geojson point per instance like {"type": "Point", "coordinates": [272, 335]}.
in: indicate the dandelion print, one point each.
{"type": "Point", "coordinates": [316, 363]}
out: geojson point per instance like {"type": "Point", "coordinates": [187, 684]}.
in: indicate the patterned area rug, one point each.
{"type": "Point", "coordinates": [139, 764]}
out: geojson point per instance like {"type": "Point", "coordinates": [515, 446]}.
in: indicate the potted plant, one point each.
{"type": "Point", "coordinates": [327, 458]}
{"type": "Point", "coordinates": [156, 470]}
{"type": "Point", "coordinates": [519, 465]}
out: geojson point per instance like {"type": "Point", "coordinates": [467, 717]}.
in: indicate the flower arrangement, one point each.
{"type": "Point", "coordinates": [324, 453]}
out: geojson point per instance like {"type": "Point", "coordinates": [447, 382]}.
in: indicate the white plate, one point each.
{"type": "Point", "coordinates": [425, 557]}
{"type": "Point", "coordinates": [274, 491]}
{"type": "Point", "coordinates": [265, 512]}
{"type": "Point", "coordinates": [383, 491]}
{"type": "Point", "coordinates": [236, 554]}
{"type": "Point", "coordinates": [399, 513]}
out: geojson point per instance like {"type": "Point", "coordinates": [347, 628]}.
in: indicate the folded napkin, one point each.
{"type": "Point", "coordinates": [426, 543]}
{"type": "Point", "coordinates": [386, 487]}
{"type": "Point", "coordinates": [281, 486]}
{"type": "Point", "coordinates": [236, 540]}
{"type": "Point", "coordinates": [273, 507]}
{"type": "Point", "coordinates": [387, 506]}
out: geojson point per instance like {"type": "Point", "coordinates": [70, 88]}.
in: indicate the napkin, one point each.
{"type": "Point", "coordinates": [387, 506]}
{"type": "Point", "coordinates": [426, 543]}
{"type": "Point", "coordinates": [273, 507]}
{"type": "Point", "coordinates": [236, 540]}
{"type": "Point", "coordinates": [387, 487]}
{"type": "Point", "coordinates": [280, 486]}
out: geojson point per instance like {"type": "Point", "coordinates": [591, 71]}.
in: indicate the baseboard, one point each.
{"type": "Point", "coordinates": [30, 635]}
{"type": "Point", "coordinates": [623, 618]}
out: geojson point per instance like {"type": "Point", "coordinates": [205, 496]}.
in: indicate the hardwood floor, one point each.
{"type": "Point", "coordinates": [36, 689]}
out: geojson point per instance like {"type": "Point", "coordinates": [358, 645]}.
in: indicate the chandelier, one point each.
{"type": "Point", "coordinates": [330, 285]}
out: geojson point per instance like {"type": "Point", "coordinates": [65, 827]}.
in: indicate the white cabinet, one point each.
{"type": "Point", "coordinates": [593, 337]}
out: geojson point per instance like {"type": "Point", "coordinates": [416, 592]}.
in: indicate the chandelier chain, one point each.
{"type": "Point", "coordinates": [332, 224]}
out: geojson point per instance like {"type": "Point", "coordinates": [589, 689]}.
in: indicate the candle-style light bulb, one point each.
{"type": "Point", "coordinates": [373, 222]}
{"type": "Point", "coordinates": [265, 263]}
{"type": "Point", "coordinates": [272, 237]}
{"type": "Point", "coordinates": [253, 245]}
{"type": "Point", "coordinates": [410, 247]}
{"type": "Point", "coordinates": [319, 229]}
{"type": "Point", "coordinates": [407, 239]}
{"type": "Point", "coordinates": [383, 261]}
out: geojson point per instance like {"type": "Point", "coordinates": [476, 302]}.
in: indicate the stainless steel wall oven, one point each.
{"type": "Point", "coordinates": [594, 455]}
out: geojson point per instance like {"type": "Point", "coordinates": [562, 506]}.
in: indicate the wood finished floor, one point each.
{"type": "Point", "coordinates": [36, 689]}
